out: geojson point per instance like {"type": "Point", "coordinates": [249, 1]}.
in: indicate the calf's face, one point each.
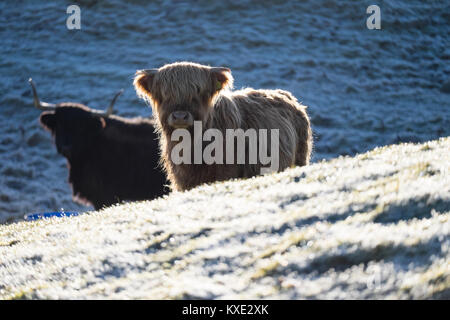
{"type": "Point", "coordinates": [74, 129]}
{"type": "Point", "coordinates": [181, 93]}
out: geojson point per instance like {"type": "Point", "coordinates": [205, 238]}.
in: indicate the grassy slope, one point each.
{"type": "Point", "coordinates": [373, 226]}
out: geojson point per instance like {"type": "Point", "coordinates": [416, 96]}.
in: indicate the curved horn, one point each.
{"type": "Point", "coordinates": [110, 109]}
{"type": "Point", "coordinates": [37, 103]}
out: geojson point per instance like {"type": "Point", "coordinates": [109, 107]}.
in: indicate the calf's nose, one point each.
{"type": "Point", "coordinates": [180, 115]}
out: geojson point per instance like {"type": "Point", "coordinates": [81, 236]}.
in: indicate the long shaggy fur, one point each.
{"type": "Point", "coordinates": [206, 93]}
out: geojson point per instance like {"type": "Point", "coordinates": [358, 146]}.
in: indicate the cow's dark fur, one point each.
{"type": "Point", "coordinates": [110, 159]}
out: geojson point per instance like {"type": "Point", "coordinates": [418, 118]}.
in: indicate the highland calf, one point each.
{"type": "Point", "coordinates": [183, 93]}
{"type": "Point", "coordinates": [110, 159]}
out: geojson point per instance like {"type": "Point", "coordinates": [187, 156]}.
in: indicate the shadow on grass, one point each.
{"type": "Point", "coordinates": [420, 208]}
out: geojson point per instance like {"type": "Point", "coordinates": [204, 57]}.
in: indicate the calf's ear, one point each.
{"type": "Point", "coordinates": [48, 120]}
{"type": "Point", "coordinates": [222, 78]}
{"type": "Point", "coordinates": [143, 81]}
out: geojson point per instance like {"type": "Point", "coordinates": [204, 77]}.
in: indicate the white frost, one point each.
{"type": "Point", "coordinates": [373, 226]}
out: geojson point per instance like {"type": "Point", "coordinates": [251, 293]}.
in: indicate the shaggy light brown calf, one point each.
{"type": "Point", "coordinates": [184, 92]}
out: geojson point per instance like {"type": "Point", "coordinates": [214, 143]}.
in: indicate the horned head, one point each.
{"type": "Point", "coordinates": [74, 125]}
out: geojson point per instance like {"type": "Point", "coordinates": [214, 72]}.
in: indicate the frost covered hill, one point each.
{"type": "Point", "coordinates": [373, 226]}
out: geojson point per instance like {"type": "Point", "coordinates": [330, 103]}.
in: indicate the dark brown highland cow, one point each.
{"type": "Point", "coordinates": [110, 159]}
{"type": "Point", "coordinates": [183, 92]}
